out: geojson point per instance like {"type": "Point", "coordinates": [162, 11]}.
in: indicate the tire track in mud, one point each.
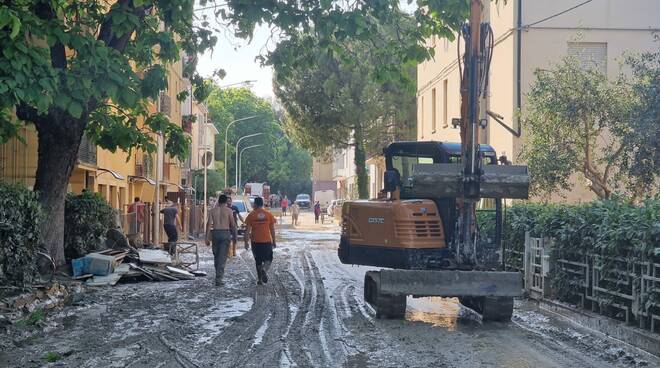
{"type": "Point", "coordinates": [230, 346]}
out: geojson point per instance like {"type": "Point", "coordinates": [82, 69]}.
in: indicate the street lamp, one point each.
{"type": "Point", "coordinates": [237, 83]}
{"type": "Point", "coordinates": [240, 163]}
{"type": "Point", "coordinates": [237, 144]}
{"type": "Point", "coordinates": [227, 133]}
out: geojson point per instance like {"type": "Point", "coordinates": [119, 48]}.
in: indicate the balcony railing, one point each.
{"type": "Point", "coordinates": [87, 151]}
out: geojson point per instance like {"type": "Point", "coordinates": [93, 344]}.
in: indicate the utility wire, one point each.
{"type": "Point", "coordinates": [556, 15]}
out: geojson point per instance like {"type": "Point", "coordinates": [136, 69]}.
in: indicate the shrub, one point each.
{"type": "Point", "coordinates": [614, 234]}
{"type": "Point", "coordinates": [20, 236]}
{"type": "Point", "coordinates": [87, 218]}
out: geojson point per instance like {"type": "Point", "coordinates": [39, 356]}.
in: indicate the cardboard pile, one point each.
{"type": "Point", "coordinates": [108, 267]}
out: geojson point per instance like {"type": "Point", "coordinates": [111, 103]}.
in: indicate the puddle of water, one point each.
{"type": "Point", "coordinates": [259, 335]}
{"type": "Point", "coordinates": [439, 312]}
{"type": "Point", "coordinates": [212, 323]}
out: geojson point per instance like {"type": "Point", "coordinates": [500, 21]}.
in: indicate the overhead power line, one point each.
{"type": "Point", "coordinates": [558, 14]}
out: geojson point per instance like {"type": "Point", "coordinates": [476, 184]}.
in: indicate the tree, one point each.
{"type": "Point", "coordinates": [579, 122]}
{"type": "Point", "coordinates": [75, 67]}
{"type": "Point", "coordinates": [337, 101]}
{"type": "Point", "coordinates": [278, 162]}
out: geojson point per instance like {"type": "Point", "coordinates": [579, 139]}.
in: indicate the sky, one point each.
{"type": "Point", "coordinates": [237, 57]}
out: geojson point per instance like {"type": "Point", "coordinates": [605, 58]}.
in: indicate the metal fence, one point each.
{"type": "Point", "coordinates": [624, 289]}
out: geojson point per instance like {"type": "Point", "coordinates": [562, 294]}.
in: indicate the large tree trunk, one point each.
{"type": "Point", "coordinates": [59, 140]}
{"type": "Point", "coordinates": [360, 163]}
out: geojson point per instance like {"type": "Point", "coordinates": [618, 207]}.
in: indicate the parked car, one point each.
{"type": "Point", "coordinates": [303, 200]}
{"type": "Point", "coordinates": [243, 209]}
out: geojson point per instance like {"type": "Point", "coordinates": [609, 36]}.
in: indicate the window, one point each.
{"type": "Point", "coordinates": [404, 165]}
{"type": "Point", "coordinates": [445, 122]}
{"type": "Point", "coordinates": [433, 113]}
{"type": "Point", "coordinates": [590, 54]}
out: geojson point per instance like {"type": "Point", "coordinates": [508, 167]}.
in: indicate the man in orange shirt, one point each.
{"type": "Point", "coordinates": [260, 229]}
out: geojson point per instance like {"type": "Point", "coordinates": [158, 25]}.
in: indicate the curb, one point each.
{"type": "Point", "coordinates": [638, 338]}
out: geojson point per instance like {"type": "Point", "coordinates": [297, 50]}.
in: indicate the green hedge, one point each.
{"type": "Point", "coordinates": [621, 233]}
{"type": "Point", "coordinates": [87, 218]}
{"type": "Point", "coordinates": [20, 236]}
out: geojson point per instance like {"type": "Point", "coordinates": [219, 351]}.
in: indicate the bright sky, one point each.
{"type": "Point", "coordinates": [237, 57]}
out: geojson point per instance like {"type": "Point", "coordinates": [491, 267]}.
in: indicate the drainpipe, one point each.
{"type": "Point", "coordinates": [518, 61]}
{"type": "Point", "coordinates": [159, 170]}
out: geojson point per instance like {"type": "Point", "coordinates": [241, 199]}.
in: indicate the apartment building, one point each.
{"type": "Point", "coordinates": [322, 175]}
{"type": "Point", "coordinates": [531, 34]}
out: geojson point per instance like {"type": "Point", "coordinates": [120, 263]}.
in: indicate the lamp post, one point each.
{"type": "Point", "coordinates": [237, 144]}
{"type": "Point", "coordinates": [227, 133]}
{"type": "Point", "coordinates": [240, 163]}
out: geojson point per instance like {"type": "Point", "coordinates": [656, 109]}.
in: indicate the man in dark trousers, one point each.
{"type": "Point", "coordinates": [261, 231]}
{"type": "Point", "coordinates": [220, 230]}
{"type": "Point", "coordinates": [170, 222]}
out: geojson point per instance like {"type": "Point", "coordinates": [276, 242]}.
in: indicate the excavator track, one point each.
{"type": "Point", "coordinates": [391, 306]}
{"type": "Point", "coordinates": [497, 309]}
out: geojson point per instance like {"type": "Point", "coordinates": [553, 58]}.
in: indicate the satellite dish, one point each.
{"type": "Point", "coordinates": [207, 159]}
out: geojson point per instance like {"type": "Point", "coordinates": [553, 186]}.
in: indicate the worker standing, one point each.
{"type": "Point", "coordinates": [170, 222]}
{"type": "Point", "coordinates": [137, 207]}
{"type": "Point", "coordinates": [295, 211]}
{"type": "Point", "coordinates": [260, 229]}
{"type": "Point", "coordinates": [317, 212]}
{"type": "Point", "coordinates": [284, 204]}
{"type": "Point", "coordinates": [220, 230]}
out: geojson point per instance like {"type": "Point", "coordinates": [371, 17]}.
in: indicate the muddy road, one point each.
{"type": "Point", "coordinates": [311, 314]}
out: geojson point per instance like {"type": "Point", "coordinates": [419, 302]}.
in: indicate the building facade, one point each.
{"type": "Point", "coordinates": [322, 178]}
{"type": "Point", "coordinates": [531, 35]}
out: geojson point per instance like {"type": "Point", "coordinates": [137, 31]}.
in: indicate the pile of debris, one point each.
{"type": "Point", "coordinates": [108, 267]}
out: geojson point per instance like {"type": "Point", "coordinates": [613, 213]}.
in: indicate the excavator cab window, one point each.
{"type": "Point", "coordinates": [404, 164]}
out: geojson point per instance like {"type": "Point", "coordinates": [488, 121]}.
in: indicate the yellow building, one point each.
{"type": "Point", "coordinates": [118, 176]}
{"type": "Point", "coordinates": [531, 34]}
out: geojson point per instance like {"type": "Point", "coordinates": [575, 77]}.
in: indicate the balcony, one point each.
{"type": "Point", "coordinates": [187, 123]}
{"type": "Point", "coordinates": [87, 151]}
{"type": "Point", "coordinates": [145, 167]}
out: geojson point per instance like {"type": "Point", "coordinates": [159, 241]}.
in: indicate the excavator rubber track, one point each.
{"type": "Point", "coordinates": [489, 293]}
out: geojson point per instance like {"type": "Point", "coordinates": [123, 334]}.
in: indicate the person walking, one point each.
{"type": "Point", "coordinates": [237, 216]}
{"type": "Point", "coordinates": [317, 212]}
{"type": "Point", "coordinates": [284, 204]}
{"type": "Point", "coordinates": [170, 222]}
{"type": "Point", "coordinates": [220, 230]}
{"type": "Point", "coordinates": [295, 211]}
{"type": "Point", "coordinates": [260, 230]}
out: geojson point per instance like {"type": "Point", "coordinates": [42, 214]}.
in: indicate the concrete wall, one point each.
{"type": "Point", "coordinates": [623, 26]}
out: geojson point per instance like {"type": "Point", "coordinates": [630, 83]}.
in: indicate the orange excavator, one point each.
{"type": "Point", "coordinates": [423, 229]}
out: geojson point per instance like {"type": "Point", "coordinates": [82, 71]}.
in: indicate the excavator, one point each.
{"type": "Point", "coordinates": [423, 228]}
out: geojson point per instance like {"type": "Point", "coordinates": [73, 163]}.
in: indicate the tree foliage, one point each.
{"type": "Point", "coordinates": [277, 161]}
{"type": "Point", "coordinates": [20, 236]}
{"type": "Point", "coordinates": [335, 101]}
{"type": "Point", "coordinates": [579, 122]}
{"type": "Point", "coordinates": [87, 219]}
{"type": "Point", "coordinates": [74, 67]}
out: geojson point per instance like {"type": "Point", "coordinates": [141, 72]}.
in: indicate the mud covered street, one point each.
{"type": "Point", "coordinates": [311, 314]}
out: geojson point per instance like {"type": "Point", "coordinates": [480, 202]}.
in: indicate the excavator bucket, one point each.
{"type": "Point", "coordinates": [446, 180]}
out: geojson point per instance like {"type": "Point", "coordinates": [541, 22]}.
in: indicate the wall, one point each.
{"type": "Point", "coordinates": [623, 26]}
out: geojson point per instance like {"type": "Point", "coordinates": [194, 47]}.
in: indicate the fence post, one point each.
{"type": "Point", "coordinates": [527, 262]}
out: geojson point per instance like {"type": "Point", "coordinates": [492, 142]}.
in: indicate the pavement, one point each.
{"type": "Point", "coordinates": [310, 314]}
